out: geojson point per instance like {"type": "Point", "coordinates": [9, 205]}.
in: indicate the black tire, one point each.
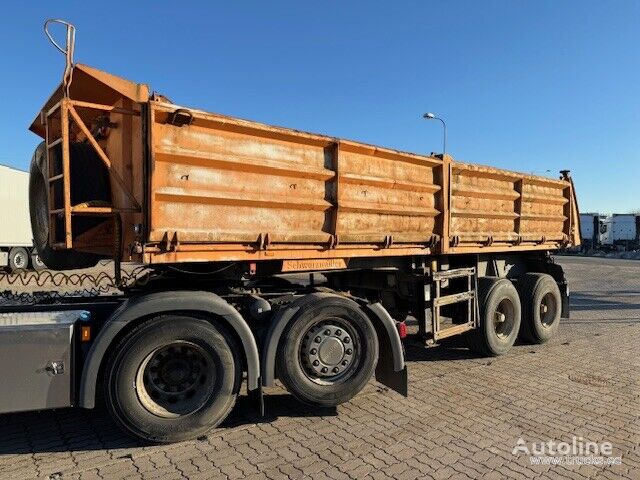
{"type": "Point", "coordinates": [144, 402]}
{"type": "Point", "coordinates": [39, 209]}
{"type": "Point", "coordinates": [36, 261]}
{"type": "Point", "coordinates": [541, 307]}
{"type": "Point", "coordinates": [500, 317]}
{"type": "Point", "coordinates": [352, 339]}
{"type": "Point", "coordinates": [18, 259]}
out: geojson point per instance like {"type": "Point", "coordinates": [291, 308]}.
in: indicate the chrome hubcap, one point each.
{"type": "Point", "coordinates": [176, 379]}
{"type": "Point", "coordinates": [329, 350]}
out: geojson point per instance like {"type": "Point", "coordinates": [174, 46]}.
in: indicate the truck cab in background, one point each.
{"type": "Point", "coordinates": [605, 238]}
{"type": "Point", "coordinates": [620, 232]}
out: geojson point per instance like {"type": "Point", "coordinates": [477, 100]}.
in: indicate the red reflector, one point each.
{"type": "Point", "coordinates": [402, 329]}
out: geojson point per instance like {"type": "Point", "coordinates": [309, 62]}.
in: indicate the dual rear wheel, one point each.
{"type": "Point", "coordinates": [530, 309]}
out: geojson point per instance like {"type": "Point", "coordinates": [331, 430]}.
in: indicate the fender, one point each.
{"type": "Point", "coordinates": [158, 303]}
{"type": "Point", "coordinates": [391, 369]}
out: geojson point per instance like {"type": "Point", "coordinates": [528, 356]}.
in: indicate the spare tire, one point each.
{"type": "Point", "coordinates": [39, 208]}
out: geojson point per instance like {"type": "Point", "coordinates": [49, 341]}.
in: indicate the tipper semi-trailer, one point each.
{"type": "Point", "coordinates": [274, 254]}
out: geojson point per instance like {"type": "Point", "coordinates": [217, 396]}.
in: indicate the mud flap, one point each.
{"type": "Point", "coordinates": [396, 381]}
{"type": "Point", "coordinates": [391, 370]}
{"type": "Point", "coordinates": [256, 397]}
{"type": "Point", "coordinates": [564, 293]}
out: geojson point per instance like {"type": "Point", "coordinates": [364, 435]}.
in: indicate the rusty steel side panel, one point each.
{"type": "Point", "coordinates": [498, 208]}
{"type": "Point", "coordinates": [386, 196]}
{"type": "Point", "coordinates": [213, 184]}
{"type": "Point", "coordinates": [226, 185]}
{"type": "Point", "coordinates": [222, 189]}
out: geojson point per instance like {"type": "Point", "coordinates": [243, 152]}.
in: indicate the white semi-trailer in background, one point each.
{"type": "Point", "coordinates": [620, 231]}
{"type": "Point", "coordinates": [16, 244]}
{"type": "Point", "coordinates": [590, 230]}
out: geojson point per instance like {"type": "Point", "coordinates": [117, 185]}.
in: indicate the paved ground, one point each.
{"type": "Point", "coordinates": [462, 419]}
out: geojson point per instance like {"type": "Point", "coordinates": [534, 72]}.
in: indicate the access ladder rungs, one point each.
{"type": "Point", "coordinates": [455, 330]}
{"type": "Point", "coordinates": [455, 273]}
{"type": "Point", "coordinates": [467, 296]}
{"type": "Point", "coordinates": [454, 298]}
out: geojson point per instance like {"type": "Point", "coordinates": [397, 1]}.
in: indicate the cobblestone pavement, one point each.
{"type": "Point", "coordinates": [462, 418]}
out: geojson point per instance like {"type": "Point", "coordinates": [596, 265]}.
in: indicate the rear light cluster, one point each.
{"type": "Point", "coordinates": [402, 329]}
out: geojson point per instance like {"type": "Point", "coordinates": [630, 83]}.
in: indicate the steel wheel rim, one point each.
{"type": "Point", "coordinates": [504, 318]}
{"type": "Point", "coordinates": [330, 351]}
{"type": "Point", "coordinates": [38, 261]}
{"type": "Point", "coordinates": [176, 379]}
{"type": "Point", "coordinates": [20, 260]}
{"type": "Point", "coordinates": [548, 310]}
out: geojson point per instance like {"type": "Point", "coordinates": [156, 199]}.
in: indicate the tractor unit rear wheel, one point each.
{"type": "Point", "coordinates": [329, 351]}
{"type": "Point", "coordinates": [172, 378]}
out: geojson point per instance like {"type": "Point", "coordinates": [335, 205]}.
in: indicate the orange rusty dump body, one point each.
{"type": "Point", "coordinates": [192, 186]}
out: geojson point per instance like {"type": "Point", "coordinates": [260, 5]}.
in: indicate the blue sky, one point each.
{"type": "Point", "coordinates": [530, 86]}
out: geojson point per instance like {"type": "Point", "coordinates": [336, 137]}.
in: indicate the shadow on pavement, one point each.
{"type": "Point", "coordinates": [75, 429]}
{"type": "Point", "coordinates": [582, 301]}
{"type": "Point", "coordinates": [416, 352]}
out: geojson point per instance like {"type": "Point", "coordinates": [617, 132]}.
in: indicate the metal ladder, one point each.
{"type": "Point", "coordinates": [57, 174]}
{"type": "Point", "coordinates": [469, 296]}
{"type": "Point", "coordinates": [57, 121]}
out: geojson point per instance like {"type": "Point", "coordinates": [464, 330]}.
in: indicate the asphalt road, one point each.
{"type": "Point", "coordinates": [462, 419]}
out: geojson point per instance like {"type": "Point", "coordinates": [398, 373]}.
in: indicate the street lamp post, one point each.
{"type": "Point", "coordinates": [431, 116]}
